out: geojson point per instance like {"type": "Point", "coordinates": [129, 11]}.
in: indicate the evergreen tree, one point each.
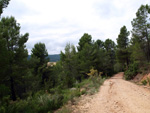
{"type": "Point", "coordinates": [98, 55]}
{"type": "Point", "coordinates": [85, 51]}
{"type": "Point", "coordinates": [85, 59]}
{"type": "Point", "coordinates": [40, 53]}
{"type": "Point", "coordinates": [100, 44]}
{"type": "Point", "coordinates": [141, 30]}
{"type": "Point", "coordinates": [69, 65]}
{"type": "Point", "coordinates": [122, 47]}
{"type": "Point", "coordinates": [16, 55]}
{"type": "Point", "coordinates": [109, 56]}
{"type": "Point", "coordinates": [3, 4]}
{"type": "Point", "coordinates": [40, 56]}
{"type": "Point", "coordinates": [85, 39]}
{"type": "Point", "coordinates": [122, 39]}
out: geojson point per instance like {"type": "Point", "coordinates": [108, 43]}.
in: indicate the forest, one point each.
{"type": "Point", "coordinates": [31, 86]}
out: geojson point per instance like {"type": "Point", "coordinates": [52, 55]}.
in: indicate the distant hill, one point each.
{"type": "Point", "coordinates": [53, 58]}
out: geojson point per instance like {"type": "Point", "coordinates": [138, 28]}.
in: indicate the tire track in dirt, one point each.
{"type": "Point", "coordinates": [116, 96]}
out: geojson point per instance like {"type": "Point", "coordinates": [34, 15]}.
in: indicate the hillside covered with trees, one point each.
{"type": "Point", "coordinates": [31, 86]}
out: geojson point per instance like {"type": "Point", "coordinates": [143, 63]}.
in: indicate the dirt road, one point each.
{"type": "Point", "coordinates": [116, 96]}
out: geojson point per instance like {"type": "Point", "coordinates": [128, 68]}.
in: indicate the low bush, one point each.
{"type": "Point", "coordinates": [48, 101]}
{"type": "Point", "coordinates": [144, 82]}
{"type": "Point", "coordinates": [132, 71]}
{"type": "Point", "coordinates": [38, 104]}
{"type": "Point", "coordinates": [70, 94]}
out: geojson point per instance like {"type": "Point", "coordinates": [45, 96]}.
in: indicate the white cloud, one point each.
{"type": "Point", "coordinates": [57, 22]}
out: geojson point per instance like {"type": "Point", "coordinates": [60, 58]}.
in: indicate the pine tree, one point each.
{"type": "Point", "coordinates": [85, 39]}
{"type": "Point", "coordinates": [40, 53]}
{"type": "Point", "coordinates": [141, 29]}
{"type": "Point", "coordinates": [69, 65]}
{"type": "Point", "coordinates": [109, 60]}
{"type": "Point", "coordinates": [85, 50]}
{"type": "Point", "coordinates": [16, 53]}
{"type": "Point", "coordinates": [98, 55]}
{"type": "Point", "coordinates": [3, 4]}
{"type": "Point", "coordinates": [40, 56]}
{"type": "Point", "coordinates": [122, 47]}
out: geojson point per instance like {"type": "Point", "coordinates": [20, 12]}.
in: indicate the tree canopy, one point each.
{"type": "Point", "coordinates": [15, 50]}
{"type": "Point", "coordinates": [40, 51]}
{"type": "Point", "coordinates": [3, 4]}
{"type": "Point", "coordinates": [122, 51]}
{"type": "Point", "coordinates": [141, 30]}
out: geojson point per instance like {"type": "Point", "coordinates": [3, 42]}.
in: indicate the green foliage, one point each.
{"type": "Point", "coordinates": [85, 39]}
{"type": "Point", "coordinates": [144, 82]}
{"type": "Point", "coordinates": [85, 55]}
{"type": "Point", "coordinates": [2, 109]}
{"type": "Point", "coordinates": [141, 30]}
{"type": "Point", "coordinates": [137, 53]}
{"type": "Point", "coordinates": [69, 65]}
{"type": "Point", "coordinates": [57, 77]}
{"type": "Point", "coordinates": [40, 88]}
{"type": "Point", "coordinates": [91, 85]}
{"type": "Point", "coordinates": [43, 102]}
{"type": "Point", "coordinates": [4, 90]}
{"type": "Point", "coordinates": [3, 58]}
{"type": "Point", "coordinates": [15, 59]}
{"type": "Point", "coordinates": [39, 59]}
{"type": "Point", "coordinates": [122, 52]}
{"type": "Point", "coordinates": [3, 4]}
{"type": "Point", "coordinates": [71, 94]}
{"type": "Point", "coordinates": [109, 45]}
{"type": "Point", "coordinates": [122, 39]}
{"type": "Point", "coordinates": [132, 71]}
{"type": "Point", "coordinates": [37, 104]}
{"type": "Point", "coordinates": [118, 67]}
{"type": "Point", "coordinates": [109, 60]}
{"type": "Point", "coordinates": [139, 48]}
{"type": "Point", "coordinates": [85, 58]}
{"type": "Point", "coordinates": [98, 56]}
{"type": "Point", "coordinates": [39, 51]}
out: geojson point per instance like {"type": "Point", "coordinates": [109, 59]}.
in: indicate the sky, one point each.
{"type": "Point", "coordinates": [58, 22]}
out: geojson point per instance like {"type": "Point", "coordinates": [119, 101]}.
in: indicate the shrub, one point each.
{"type": "Point", "coordinates": [39, 104]}
{"type": "Point", "coordinates": [70, 94]}
{"type": "Point", "coordinates": [43, 102]}
{"type": "Point", "coordinates": [132, 71]}
{"type": "Point", "coordinates": [144, 82]}
{"type": "Point", "coordinates": [83, 92]}
{"type": "Point", "coordinates": [2, 109]}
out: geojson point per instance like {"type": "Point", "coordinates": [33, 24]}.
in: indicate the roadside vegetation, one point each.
{"type": "Point", "coordinates": [31, 86]}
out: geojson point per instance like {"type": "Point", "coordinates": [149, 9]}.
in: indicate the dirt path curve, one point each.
{"type": "Point", "coordinates": [116, 96]}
